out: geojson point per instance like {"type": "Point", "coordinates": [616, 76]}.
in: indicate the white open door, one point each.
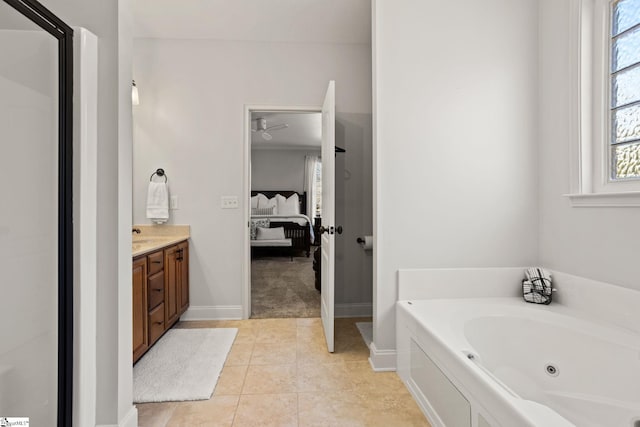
{"type": "Point", "coordinates": [328, 212]}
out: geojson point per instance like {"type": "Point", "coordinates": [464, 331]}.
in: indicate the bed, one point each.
{"type": "Point", "coordinates": [297, 226]}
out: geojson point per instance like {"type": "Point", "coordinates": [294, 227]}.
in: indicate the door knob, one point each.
{"type": "Point", "coordinates": [330, 230]}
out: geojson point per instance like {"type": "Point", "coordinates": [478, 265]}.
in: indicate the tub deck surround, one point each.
{"type": "Point", "coordinates": [603, 301]}
{"type": "Point", "coordinates": [459, 282]}
{"type": "Point", "coordinates": [517, 349]}
{"type": "Point", "coordinates": [154, 237]}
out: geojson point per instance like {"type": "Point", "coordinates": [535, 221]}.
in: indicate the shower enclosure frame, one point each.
{"type": "Point", "coordinates": [49, 22]}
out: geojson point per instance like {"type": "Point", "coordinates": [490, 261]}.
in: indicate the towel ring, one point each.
{"type": "Point", "coordinates": [159, 172]}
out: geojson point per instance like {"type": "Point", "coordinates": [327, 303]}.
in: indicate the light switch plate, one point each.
{"type": "Point", "coordinates": [229, 202]}
{"type": "Point", "coordinates": [173, 203]}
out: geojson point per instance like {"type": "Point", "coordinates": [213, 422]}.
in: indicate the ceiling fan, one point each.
{"type": "Point", "coordinates": [261, 126]}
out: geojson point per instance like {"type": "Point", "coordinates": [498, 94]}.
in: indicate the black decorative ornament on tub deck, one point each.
{"type": "Point", "coordinates": [536, 286]}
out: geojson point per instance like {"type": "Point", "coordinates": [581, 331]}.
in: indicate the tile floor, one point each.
{"type": "Point", "coordinates": [279, 373]}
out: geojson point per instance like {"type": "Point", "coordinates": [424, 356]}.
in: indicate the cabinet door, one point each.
{"type": "Point", "coordinates": [183, 276]}
{"type": "Point", "coordinates": [171, 286]}
{"type": "Point", "coordinates": [139, 303]}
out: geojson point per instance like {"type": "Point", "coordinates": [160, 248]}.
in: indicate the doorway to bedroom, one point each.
{"type": "Point", "coordinates": [286, 200]}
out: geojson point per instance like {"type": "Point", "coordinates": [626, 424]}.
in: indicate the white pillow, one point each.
{"type": "Point", "coordinates": [268, 203]}
{"type": "Point", "coordinates": [290, 206]}
{"type": "Point", "coordinates": [255, 200]}
{"type": "Point", "coordinates": [263, 211]}
{"type": "Point", "coordinates": [255, 223]}
{"type": "Point", "coordinates": [276, 233]}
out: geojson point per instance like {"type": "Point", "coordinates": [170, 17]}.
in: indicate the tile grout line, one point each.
{"type": "Point", "coordinates": [297, 391]}
{"type": "Point", "coordinates": [168, 418]}
{"type": "Point", "coordinates": [253, 346]}
{"type": "Point", "coordinates": [298, 408]}
{"type": "Point", "coordinates": [244, 378]}
{"type": "Point", "coordinates": [235, 411]}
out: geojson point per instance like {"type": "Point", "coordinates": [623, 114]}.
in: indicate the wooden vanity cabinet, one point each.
{"type": "Point", "coordinates": [156, 296]}
{"type": "Point", "coordinates": [176, 301]}
{"type": "Point", "coordinates": [160, 294]}
{"type": "Point", "coordinates": [183, 277]}
{"type": "Point", "coordinates": [155, 290]}
{"type": "Point", "coordinates": [157, 326]}
{"type": "Point", "coordinates": [171, 256]}
{"type": "Point", "coordinates": [140, 308]}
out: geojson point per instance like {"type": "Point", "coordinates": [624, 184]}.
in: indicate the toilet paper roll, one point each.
{"type": "Point", "coordinates": [366, 242]}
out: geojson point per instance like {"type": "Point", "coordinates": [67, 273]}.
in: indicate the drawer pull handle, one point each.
{"type": "Point", "coordinates": [158, 323]}
{"type": "Point", "coordinates": [156, 262]}
{"type": "Point", "coordinates": [158, 290]}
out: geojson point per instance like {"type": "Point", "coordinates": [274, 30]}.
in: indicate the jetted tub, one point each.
{"type": "Point", "coordinates": [482, 362]}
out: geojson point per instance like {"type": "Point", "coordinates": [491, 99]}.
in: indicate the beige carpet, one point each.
{"type": "Point", "coordinates": [283, 288]}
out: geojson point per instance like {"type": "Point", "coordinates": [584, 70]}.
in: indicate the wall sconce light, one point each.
{"type": "Point", "coordinates": [135, 100]}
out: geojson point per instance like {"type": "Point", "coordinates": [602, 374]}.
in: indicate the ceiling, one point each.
{"type": "Point", "coordinates": [304, 131]}
{"type": "Point", "coordinates": [302, 21]}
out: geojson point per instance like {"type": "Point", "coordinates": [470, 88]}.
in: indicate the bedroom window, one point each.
{"type": "Point", "coordinates": [624, 78]}
{"type": "Point", "coordinates": [318, 188]}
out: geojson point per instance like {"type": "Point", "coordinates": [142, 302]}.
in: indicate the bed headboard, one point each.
{"type": "Point", "coordinates": [302, 197]}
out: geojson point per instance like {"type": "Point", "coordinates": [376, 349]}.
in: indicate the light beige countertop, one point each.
{"type": "Point", "coordinates": [154, 237]}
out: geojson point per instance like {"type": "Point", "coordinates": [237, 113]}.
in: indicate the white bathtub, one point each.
{"type": "Point", "coordinates": [481, 362]}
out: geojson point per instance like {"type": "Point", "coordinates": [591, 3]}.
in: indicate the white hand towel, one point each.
{"type": "Point", "coordinates": [158, 202]}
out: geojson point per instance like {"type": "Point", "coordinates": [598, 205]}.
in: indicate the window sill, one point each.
{"type": "Point", "coordinates": [629, 199]}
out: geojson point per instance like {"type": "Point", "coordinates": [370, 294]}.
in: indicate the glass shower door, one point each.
{"type": "Point", "coordinates": [32, 248]}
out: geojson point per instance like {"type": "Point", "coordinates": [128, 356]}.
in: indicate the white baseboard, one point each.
{"type": "Point", "coordinates": [129, 420]}
{"type": "Point", "coordinates": [213, 312]}
{"type": "Point", "coordinates": [382, 360]}
{"type": "Point", "coordinates": [234, 312]}
{"type": "Point", "coordinates": [354, 310]}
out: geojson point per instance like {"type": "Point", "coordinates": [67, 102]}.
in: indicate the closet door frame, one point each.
{"type": "Point", "coordinates": [49, 22]}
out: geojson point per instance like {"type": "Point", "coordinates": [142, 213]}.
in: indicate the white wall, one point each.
{"type": "Point", "coordinates": [279, 169]}
{"type": "Point", "coordinates": [354, 195]}
{"type": "Point", "coordinates": [599, 243]}
{"type": "Point", "coordinates": [190, 122]}
{"type": "Point", "coordinates": [455, 89]}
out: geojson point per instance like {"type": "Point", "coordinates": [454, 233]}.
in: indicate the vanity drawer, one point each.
{"type": "Point", "coordinates": [155, 292]}
{"type": "Point", "coordinates": [156, 323]}
{"type": "Point", "coordinates": [156, 262]}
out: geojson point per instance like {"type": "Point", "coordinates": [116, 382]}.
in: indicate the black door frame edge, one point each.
{"type": "Point", "coordinates": [49, 22]}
